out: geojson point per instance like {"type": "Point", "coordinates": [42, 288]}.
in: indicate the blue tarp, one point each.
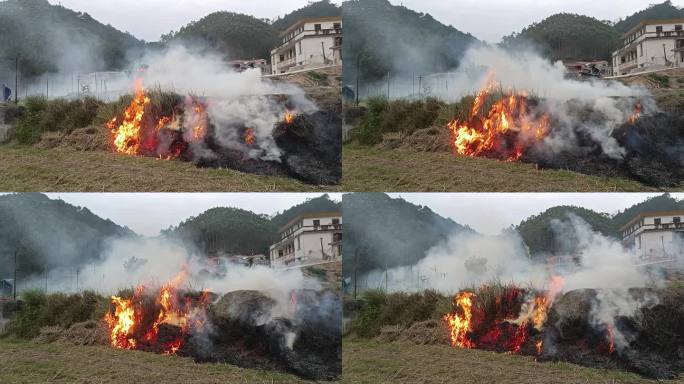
{"type": "Point", "coordinates": [6, 93]}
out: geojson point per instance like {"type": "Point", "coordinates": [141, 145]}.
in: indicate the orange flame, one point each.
{"type": "Point", "coordinates": [539, 345]}
{"type": "Point", "coordinates": [289, 117]}
{"type": "Point", "coordinates": [636, 115]}
{"type": "Point", "coordinates": [460, 325]}
{"type": "Point", "coordinates": [249, 137]}
{"type": "Point", "coordinates": [128, 331]}
{"type": "Point", "coordinates": [199, 120]}
{"type": "Point", "coordinates": [506, 132]}
{"type": "Point", "coordinates": [127, 134]}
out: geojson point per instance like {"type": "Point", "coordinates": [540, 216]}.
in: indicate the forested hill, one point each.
{"type": "Point", "coordinates": [50, 233]}
{"type": "Point", "coordinates": [395, 39]}
{"type": "Point", "coordinates": [538, 233]}
{"type": "Point", "coordinates": [321, 8]}
{"type": "Point", "coordinates": [568, 36]}
{"type": "Point", "coordinates": [662, 11]}
{"type": "Point", "coordinates": [539, 236]}
{"type": "Point", "coordinates": [235, 35]}
{"type": "Point", "coordinates": [52, 38]}
{"type": "Point", "coordinates": [227, 231]}
{"type": "Point", "coordinates": [386, 232]}
{"type": "Point", "coordinates": [317, 204]}
{"type": "Point", "coordinates": [571, 36]}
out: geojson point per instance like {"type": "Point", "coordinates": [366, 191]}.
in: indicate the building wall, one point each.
{"type": "Point", "coordinates": [644, 49]}
{"type": "Point", "coordinates": [301, 242]}
{"type": "Point", "coordinates": [651, 242]}
{"type": "Point", "coordinates": [301, 48]}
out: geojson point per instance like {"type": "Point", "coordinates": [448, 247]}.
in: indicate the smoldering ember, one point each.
{"type": "Point", "coordinates": [564, 285]}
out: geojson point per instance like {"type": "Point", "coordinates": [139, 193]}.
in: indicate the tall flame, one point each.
{"type": "Point", "coordinates": [506, 131]}
{"type": "Point", "coordinates": [460, 324]}
{"type": "Point", "coordinates": [127, 133]}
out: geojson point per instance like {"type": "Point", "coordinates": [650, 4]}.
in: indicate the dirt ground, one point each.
{"type": "Point", "coordinates": [29, 363]}
{"type": "Point", "coordinates": [373, 362]}
{"type": "Point", "coordinates": [370, 169]}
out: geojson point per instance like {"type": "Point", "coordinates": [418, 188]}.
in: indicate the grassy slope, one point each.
{"type": "Point", "coordinates": [373, 363]}
{"type": "Point", "coordinates": [26, 362]}
{"type": "Point", "coordinates": [370, 169]}
{"type": "Point", "coordinates": [64, 170]}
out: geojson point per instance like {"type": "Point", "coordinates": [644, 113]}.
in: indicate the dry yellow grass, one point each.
{"type": "Point", "coordinates": [27, 362]}
{"type": "Point", "coordinates": [29, 169]}
{"type": "Point", "coordinates": [367, 169]}
{"type": "Point", "coordinates": [373, 362]}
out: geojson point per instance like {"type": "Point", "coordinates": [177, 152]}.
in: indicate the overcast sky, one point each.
{"type": "Point", "coordinates": [149, 19]}
{"type": "Point", "coordinates": [489, 213]}
{"type": "Point", "coordinates": [490, 20]}
{"type": "Point", "coordinates": [148, 213]}
{"type": "Point", "coordinates": [486, 19]}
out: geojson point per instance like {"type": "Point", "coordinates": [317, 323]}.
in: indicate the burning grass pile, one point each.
{"type": "Point", "coordinates": [587, 327]}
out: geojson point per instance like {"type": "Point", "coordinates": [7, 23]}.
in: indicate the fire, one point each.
{"type": "Point", "coordinates": [289, 117]}
{"type": "Point", "coordinates": [249, 137]}
{"type": "Point", "coordinates": [611, 340]}
{"type": "Point", "coordinates": [127, 133]}
{"type": "Point", "coordinates": [198, 120]}
{"type": "Point", "coordinates": [636, 115]}
{"type": "Point", "coordinates": [539, 346]}
{"type": "Point", "coordinates": [460, 325]}
{"type": "Point", "coordinates": [507, 130]}
{"type": "Point", "coordinates": [135, 324]}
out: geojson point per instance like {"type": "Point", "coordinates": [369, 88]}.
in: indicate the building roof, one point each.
{"type": "Point", "coordinates": [309, 20]}
{"type": "Point", "coordinates": [651, 214]}
{"type": "Point", "coordinates": [652, 22]}
{"type": "Point", "coordinates": [309, 216]}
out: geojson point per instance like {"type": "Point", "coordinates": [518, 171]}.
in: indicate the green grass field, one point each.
{"type": "Point", "coordinates": [27, 362]}
{"type": "Point", "coordinates": [375, 170]}
{"type": "Point", "coordinates": [24, 168]}
{"type": "Point", "coordinates": [373, 362]}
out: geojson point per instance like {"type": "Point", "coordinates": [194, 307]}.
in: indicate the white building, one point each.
{"type": "Point", "coordinates": [308, 239]}
{"type": "Point", "coordinates": [655, 236]}
{"type": "Point", "coordinates": [651, 45]}
{"type": "Point", "coordinates": [309, 43]}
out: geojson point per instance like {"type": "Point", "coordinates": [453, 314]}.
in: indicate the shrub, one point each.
{"type": "Point", "coordinates": [662, 80]}
{"type": "Point", "coordinates": [58, 115]}
{"type": "Point", "coordinates": [370, 131]}
{"type": "Point", "coordinates": [41, 310]}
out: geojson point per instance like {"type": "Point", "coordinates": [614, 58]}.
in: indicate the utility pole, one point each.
{"type": "Point", "coordinates": [16, 88]}
{"type": "Point", "coordinates": [386, 282]}
{"type": "Point", "coordinates": [388, 85]}
{"type": "Point", "coordinates": [358, 75]}
{"type": "Point", "coordinates": [356, 269]}
{"type": "Point", "coordinates": [46, 277]}
{"type": "Point", "coordinates": [14, 283]}
{"type": "Point", "coordinates": [47, 86]}
{"type": "Point", "coordinates": [420, 86]}
{"type": "Point", "coordinates": [325, 60]}
{"type": "Point", "coordinates": [322, 251]}
{"type": "Point", "coordinates": [76, 279]}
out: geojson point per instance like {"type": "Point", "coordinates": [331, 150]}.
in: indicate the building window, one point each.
{"type": "Point", "coordinates": [299, 245]}
{"type": "Point", "coordinates": [659, 29]}
{"type": "Point", "coordinates": [300, 47]}
{"type": "Point", "coordinates": [678, 27]}
{"type": "Point", "coordinates": [676, 220]}
{"type": "Point", "coordinates": [336, 221]}
{"type": "Point", "coordinates": [657, 221]}
{"type": "Point", "coordinates": [316, 223]}
{"type": "Point", "coordinates": [282, 58]}
{"type": "Point", "coordinates": [339, 25]}
{"type": "Point", "coordinates": [641, 49]}
{"type": "Point", "coordinates": [639, 238]}
{"type": "Point", "coordinates": [317, 27]}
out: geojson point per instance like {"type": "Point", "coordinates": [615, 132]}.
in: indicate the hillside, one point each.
{"type": "Point", "coordinates": [317, 204]}
{"type": "Point", "coordinates": [320, 8]}
{"type": "Point", "coordinates": [227, 230]}
{"type": "Point", "coordinates": [236, 36]}
{"type": "Point", "coordinates": [387, 232]}
{"type": "Point", "coordinates": [397, 39]}
{"type": "Point", "coordinates": [538, 233]}
{"type": "Point", "coordinates": [50, 233]}
{"type": "Point", "coordinates": [568, 36]}
{"type": "Point", "coordinates": [52, 38]}
{"type": "Point", "coordinates": [664, 10]}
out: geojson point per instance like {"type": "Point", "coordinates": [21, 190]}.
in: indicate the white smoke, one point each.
{"type": "Point", "coordinates": [467, 260]}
